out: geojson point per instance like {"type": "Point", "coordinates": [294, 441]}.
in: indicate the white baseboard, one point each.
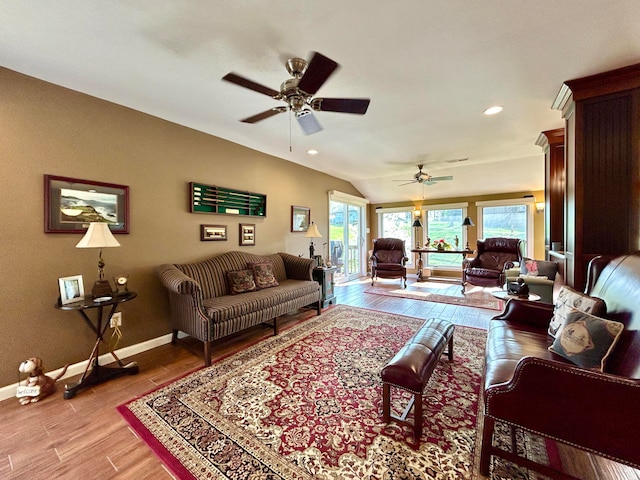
{"type": "Point", "coordinates": [77, 368]}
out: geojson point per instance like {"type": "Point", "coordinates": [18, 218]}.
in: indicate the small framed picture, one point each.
{"type": "Point", "coordinates": [213, 232]}
{"type": "Point", "coordinates": [247, 234]}
{"type": "Point", "coordinates": [300, 217]}
{"type": "Point", "coordinates": [71, 289]}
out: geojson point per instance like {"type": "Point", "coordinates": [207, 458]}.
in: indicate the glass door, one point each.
{"type": "Point", "coordinates": [346, 239]}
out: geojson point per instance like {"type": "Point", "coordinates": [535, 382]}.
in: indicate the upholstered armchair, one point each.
{"type": "Point", "coordinates": [543, 283]}
{"type": "Point", "coordinates": [493, 257]}
{"type": "Point", "coordinates": [388, 259]}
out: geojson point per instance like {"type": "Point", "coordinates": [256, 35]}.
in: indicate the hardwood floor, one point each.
{"type": "Point", "coordinates": [86, 438]}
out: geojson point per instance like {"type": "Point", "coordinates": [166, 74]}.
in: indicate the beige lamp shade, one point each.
{"type": "Point", "coordinates": [312, 231]}
{"type": "Point", "coordinates": [98, 236]}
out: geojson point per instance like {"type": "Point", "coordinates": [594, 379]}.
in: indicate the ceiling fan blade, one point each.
{"type": "Point", "coordinates": [308, 122]}
{"type": "Point", "coordinates": [343, 105]}
{"type": "Point", "coordinates": [409, 183]}
{"type": "Point", "coordinates": [250, 84]}
{"type": "Point", "coordinates": [266, 114]}
{"type": "Point", "coordinates": [319, 70]}
{"type": "Point", "coordinates": [438, 179]}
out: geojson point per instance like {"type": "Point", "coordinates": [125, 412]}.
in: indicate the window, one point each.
{"type": "Point", "coordinates": [445, 222]}
{"type": "Point", "coordinates": [507, 218]}
{"type": "Point", "coordinates": [396, 223]}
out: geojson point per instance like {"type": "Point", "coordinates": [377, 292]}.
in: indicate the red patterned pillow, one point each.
{"type": "Point", "coordinates": [263, 273]}
{"type": "Point", "coordinates": [241, 281]}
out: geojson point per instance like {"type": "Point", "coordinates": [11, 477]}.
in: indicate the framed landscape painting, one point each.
{"type": "Point", "coordinates": [70, 204]}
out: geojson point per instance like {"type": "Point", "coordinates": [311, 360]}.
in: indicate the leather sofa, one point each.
{"type": "Point", "coordinates": [493, 257]}
{"type": "Point", "coordinates": [203, 307]}
{"type": "Point", "coordinates": [528, 386]}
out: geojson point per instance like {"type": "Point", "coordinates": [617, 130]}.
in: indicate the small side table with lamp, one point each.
{"type": "Point", "coordinates": [99, 236]}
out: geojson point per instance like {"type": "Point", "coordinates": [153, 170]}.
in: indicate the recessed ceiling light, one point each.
{"type": "Point", "coordinates": [312, 151]}
{"type": "Point", "coordinates": [493, 110]}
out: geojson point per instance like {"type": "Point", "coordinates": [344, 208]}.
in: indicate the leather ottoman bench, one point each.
{"type": "Point", "coordinates": [411, 368]}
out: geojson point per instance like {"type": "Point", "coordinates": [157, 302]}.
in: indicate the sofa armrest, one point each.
{"type": "Point", "coordinates": [298, 268]}
{"type": "Point", "coordinates": [177, 282]}
{"type": "Point", "coordinates": [535, 314]}
{"type": "Point", "coordinates": [590, 409]}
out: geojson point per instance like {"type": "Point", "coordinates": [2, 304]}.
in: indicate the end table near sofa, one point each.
{"type": "Point", "coordinates": [325, 277]}
{"type": "Point", "coordinates": [98, 373]}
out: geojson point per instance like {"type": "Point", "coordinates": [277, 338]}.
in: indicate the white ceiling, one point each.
{"type": "Point", "coordinates": [430, 68]}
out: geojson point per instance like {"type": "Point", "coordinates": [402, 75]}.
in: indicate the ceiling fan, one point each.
{"type": "Point", "coordinates": [424, 178]}
{"type": "Point", "coordinates": [297, 93]}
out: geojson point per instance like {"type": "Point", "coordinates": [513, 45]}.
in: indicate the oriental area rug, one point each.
{"type": "Point", "coordinates": [431, 292]}
{"type": "Point", "coordinates": [307, 404]}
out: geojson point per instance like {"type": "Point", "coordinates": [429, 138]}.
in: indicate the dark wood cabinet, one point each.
{"type": "Point", "coordinates": [602, 167]}
{"type": "Point", "coordinates": [326, 278]}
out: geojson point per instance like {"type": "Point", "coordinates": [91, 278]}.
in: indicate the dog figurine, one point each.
{"type": "Point", "coordinates": [38, 384]}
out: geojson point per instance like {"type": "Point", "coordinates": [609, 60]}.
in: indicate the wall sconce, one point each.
{"type": "Point", "coordinates": [539, 207]}
{"type": "Point", "coordinates": [417, 212]}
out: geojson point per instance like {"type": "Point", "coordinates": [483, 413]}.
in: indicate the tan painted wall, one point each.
{"type": "Point", "coordinates": [47, 129]}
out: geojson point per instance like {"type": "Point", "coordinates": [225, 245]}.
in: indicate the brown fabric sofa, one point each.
{"type": "Point", "coordinates": [202, 307]}
{"type": "Point", "coordinates": [527, 386]}
{"type": "Point", "coordinates": [493, 257]}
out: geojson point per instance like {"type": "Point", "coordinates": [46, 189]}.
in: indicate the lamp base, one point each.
{"type": "Point", "coordinates": [101, 289]}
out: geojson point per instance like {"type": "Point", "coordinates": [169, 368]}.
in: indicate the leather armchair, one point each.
{"type": "Point", "coordinates": [493, 257]}
{"type": "Point", "coordinates": [388, 259]}
{"type": "Point", "coordinates": [527, 386]}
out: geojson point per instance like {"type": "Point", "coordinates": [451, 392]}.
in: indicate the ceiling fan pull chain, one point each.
{"type": "Point", "coordinates": [290, 131]}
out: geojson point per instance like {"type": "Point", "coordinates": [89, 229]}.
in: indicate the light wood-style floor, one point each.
{"type": "Point", "coordinates": [86, 438]}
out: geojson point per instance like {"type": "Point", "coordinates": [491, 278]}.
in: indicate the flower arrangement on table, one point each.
{"type": "Point", "coordinates": [441, 244]}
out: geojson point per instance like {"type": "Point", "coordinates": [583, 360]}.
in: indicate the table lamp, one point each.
{"type": "Point", "coordinates": [417, 224]}
{"type": "Point", "coordinates": [466, 223]}
{"type": "Point", "coordinates": [312, 232]}
{"type": "Point", "coordinates": [99, 236]}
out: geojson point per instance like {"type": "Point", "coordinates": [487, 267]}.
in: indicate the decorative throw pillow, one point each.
{"type": "Point", "coordinates": [241, 281]}
{"type": "Point", "coordinates": [263, 273]}
{"type": "Point", "coordinates": [539, 268]}
{"type": "Point", "coordinates": [569, 298]}
{"type": "Point", "coordinates": [586, 340]}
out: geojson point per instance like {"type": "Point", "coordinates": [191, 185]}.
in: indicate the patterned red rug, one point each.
{"type": "Point", "coordinates": [307, 404]}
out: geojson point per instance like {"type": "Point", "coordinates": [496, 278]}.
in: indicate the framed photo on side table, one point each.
{"type": "Point", "coordinates": [70, 204]}
{"type": "Point", "coordinates": [300, 217]}
{"type": "Point", "coordinates": [247, 234]}
{"type": "Point", "coordinates": [71, 289]}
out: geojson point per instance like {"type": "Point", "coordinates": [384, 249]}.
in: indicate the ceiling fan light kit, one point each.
{"type": "Point", "coordinates": [297, 93]}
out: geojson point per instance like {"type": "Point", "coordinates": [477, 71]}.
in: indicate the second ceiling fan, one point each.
{"type": "Point", "coordinates": [297, 93]}
{"type": "Point", "coordinates": [424, 178]}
